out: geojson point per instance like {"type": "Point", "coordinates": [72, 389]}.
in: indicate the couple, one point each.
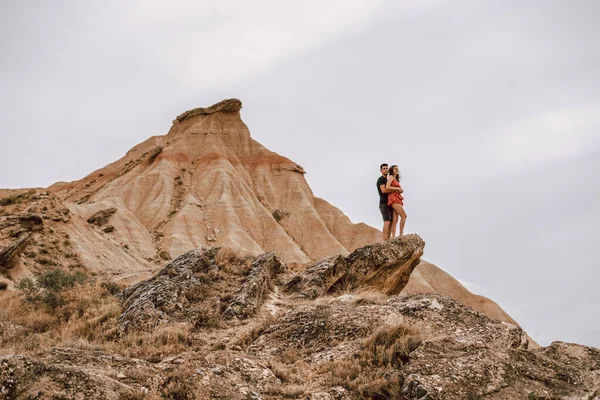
{"type": "Point", "coordinates": [391, 202]}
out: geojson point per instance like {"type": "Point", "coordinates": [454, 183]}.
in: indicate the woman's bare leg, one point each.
{"type": "Point", "coordinates": [394, 223]}
{"type": "Point", "coordinates": [402, 214]}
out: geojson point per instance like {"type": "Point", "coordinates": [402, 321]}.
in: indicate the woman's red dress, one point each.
{"type": "Point", "coordinates": [395, 197]}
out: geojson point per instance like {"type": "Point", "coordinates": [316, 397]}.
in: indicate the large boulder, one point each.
{"type": "Point", "coordinates": [196, 288]}
{"type": "Point", "coordinates": [384, 266]}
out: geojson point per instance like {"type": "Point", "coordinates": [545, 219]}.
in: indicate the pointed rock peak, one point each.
{"type": "Point", "coordinates": [225, 106]}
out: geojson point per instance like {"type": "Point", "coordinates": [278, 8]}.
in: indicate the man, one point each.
{"type": "Point", "coordinates": [386, 211]}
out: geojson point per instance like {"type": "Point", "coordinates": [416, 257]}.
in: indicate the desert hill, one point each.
{"type": "Point", "coordinates": [205, 183]}
{"type": "Point", "coordinates": [208, 183]}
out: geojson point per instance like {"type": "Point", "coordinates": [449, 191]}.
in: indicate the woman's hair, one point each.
{"type": "Point", "coordinates": [391, 171]}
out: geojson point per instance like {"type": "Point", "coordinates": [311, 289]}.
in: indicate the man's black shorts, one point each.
{"type": "Point", "coordinates": [386, 212]}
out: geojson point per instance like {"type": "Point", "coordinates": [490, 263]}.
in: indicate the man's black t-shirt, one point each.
{"type": "Point", "coordinates": [383, 197]}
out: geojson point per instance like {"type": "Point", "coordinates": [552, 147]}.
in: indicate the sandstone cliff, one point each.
{"type": "Point", "coordinates": [205, 183]}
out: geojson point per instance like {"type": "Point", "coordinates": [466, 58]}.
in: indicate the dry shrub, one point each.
{"type": "Point", "coordinates": [175, 334]}
{"type": "Point", "coordinates": [178, 387]}
{"type": "Point", "coordinates": [391, 345]}
{"type": "Point", "coordinates": [280, 370]}
{"type": "Point", "coordinates": [291, 355]}
{"type": "Point", "coordinates": [112, 287]}
{"type": "Point", "coordinates": [165, 340]}
{"type": "Point", "coordinates": [283, 392]}
{"type": "Point", "coordinates": [87, 315]}
{"type": "Point", "coordinates": [3, 285]}
{"type": "Point", "coordinates": [344, 283]}
{"type": "Point", "coordinates": [225, 256]}
{"type": "Point", "coordinates": [344, 371]}
{"type": "Point", "coordinates": [367, 382]}
{"type": "Point", "coordinates": [380, 388]}
{"type": "Point", "coordinates": [252, 334]}
{"type": "Point", "coordinates": [296, 267]}
{"type": "Point", "coordinates": [207, 315]}
{"type": "Point", "coordinates": [37, 321]}
{"type": "Point", "coordinates": [370, 297]}
{"type": "Point", "coordinates": [232, 261]}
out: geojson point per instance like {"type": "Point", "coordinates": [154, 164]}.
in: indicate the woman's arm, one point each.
{"type": "Point", "coordinates": [391, 188]}
{"type": "Point", "coordinates": [388, 185]}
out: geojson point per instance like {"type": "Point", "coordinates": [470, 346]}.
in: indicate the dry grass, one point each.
{"type": "Point", "coordinates": [87, 315]}
{"type": "Point", "coordinates": [365, 381]}
{"type": "Point", "coordinates": [163, 341]}
{"type": "Point", "coordinates": [87, 319]}
{"type": "Point", "coordinates": [340, 283]}
{"type": "Point", "coordinates": [297, 267]}
{"type": "Point", "coordinates": [226, 255]}
{"type": "Point", "coordinates": [391, 346]}
{"type": "Point", "coordinates": [286, 392]}
{"type": "Point", "coordinates": [253, 333]}
{"type": "Point", "coordinates": [370, 297]}
{"type": "Point", "coordinates": [280, 370]}
{"type": "Point", "coordinates": [368, 374]}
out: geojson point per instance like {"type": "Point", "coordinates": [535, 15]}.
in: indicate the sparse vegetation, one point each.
{"type": "Point", "coordinates": [47, 288]}
{"type": "Point", "coordinates": [286, 392]}
{"type": "Point", "coordinates": [3, 285]}
{"type": "Point", "coordinates": [45, 261]}
{"type": "Point", "coordinates": [177, 387]}
{"type": "Point", "coordinates": [86, 313]}
{"type": "Point", "coordinates": [251, 335]}
{"type": "Point", "coordinates": [111, 287]}
{"type": "Point", "coordinates": [17, 198]}
{"type": "Point", "coordinates": [391, 346]}
{"type": "Point", "coordinates": [280, 214]}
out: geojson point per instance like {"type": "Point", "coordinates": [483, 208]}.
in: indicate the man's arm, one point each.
{"type": "Point", "coordinates": [389, 188]}
{"type": "Point", "coordinates": [388, 191]}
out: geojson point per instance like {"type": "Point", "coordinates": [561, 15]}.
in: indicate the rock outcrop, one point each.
{"type": "Point", "coordinates": [7, 254]}
{"type": "Point", "coordinates": [383, 266]}
{"type": "Point", "coordinates": [175, 293]}
{"type": "Point", "coordinates": [195, 288]}
{"type": "Point", "coordinates": [256, 286]}
{"type": "Point", "coordinates": [177, 339]}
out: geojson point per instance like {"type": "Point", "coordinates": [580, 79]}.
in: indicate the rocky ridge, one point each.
{"type": "Point", "coordinates": [361, 341]}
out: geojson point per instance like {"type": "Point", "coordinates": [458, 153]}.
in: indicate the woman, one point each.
{"type": "Point", "coordinates": [395, 199]}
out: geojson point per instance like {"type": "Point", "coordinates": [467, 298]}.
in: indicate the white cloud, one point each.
{"type": "Point", "coordinates": [211, 44]}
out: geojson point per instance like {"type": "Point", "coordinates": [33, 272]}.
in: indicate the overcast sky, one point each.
{"type": "Point", "coordinates": [491, 109]}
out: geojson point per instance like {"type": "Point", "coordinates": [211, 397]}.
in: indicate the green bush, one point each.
{"type": "Point", "coordinates": [47, 288]}
{"type": "Point", "coordinates": [16, 199]}
{"type": "Point", "coordinates": [111, 287]}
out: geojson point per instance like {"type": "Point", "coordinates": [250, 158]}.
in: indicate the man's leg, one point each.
{"type": "Point", "coordinates": [386, 231]}
{"type": "Point", "coordinates": [386, 213]}
{"type": "Point", "coordinates": [394, 224]}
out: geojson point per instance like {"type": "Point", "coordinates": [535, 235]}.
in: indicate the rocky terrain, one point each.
{"type": "Point", "coordinates": [200, 265]}
{"type": "Point", "coordinates": [212, 325]}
